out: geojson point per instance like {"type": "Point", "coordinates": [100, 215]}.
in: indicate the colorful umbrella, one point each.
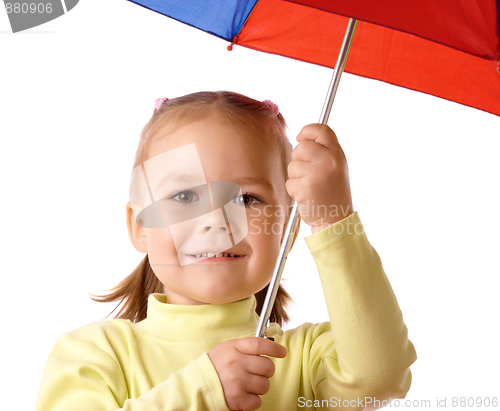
{"type": "Point", "coordinates": [447, 48]}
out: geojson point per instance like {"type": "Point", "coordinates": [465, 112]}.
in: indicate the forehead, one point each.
{"type": "Point", "coordinates": [224, 149]}
{"type": "Point", "coordinates": [210, 131]}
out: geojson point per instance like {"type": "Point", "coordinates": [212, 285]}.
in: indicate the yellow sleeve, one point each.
{"type": "Point", "coordinates": [366, 354]}
{"type": "Point", "coordinates": [82, 376]}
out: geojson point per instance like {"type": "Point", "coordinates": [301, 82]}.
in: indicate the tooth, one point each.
{"type": "Point", "coordinates": [219, 255]}
{"type": "Point", "coordinates": [210, 255]}
{"type": "Point", "coordinates": [231, 255]}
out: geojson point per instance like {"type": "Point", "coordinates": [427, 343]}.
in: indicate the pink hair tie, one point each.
{"type": "Point", "coordinates": [159, 102]}
{"type": "Point", "coordinates": [274, 108]}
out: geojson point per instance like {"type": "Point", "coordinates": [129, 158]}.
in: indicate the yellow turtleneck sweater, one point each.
{"type": "Point", "coordinates": [161, 364]}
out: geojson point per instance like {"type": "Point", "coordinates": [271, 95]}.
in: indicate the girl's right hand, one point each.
{"type": "Point", "coordinates": [243, 371]}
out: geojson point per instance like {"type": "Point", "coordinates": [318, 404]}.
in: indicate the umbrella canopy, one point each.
{"type": "Point", "coordinates": [447, 48]}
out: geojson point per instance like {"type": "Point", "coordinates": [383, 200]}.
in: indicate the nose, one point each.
{"type": "Point", "coordinates": [208, 228]}
{"type": "Point", "coordinates": [214, 223]}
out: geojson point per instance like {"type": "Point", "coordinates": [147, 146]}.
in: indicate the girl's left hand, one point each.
{"type": "Point", "coordinates": [319, 177]}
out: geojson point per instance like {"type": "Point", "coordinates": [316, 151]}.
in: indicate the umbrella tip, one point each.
{"type": "Point", "coordinates": [235, 40]}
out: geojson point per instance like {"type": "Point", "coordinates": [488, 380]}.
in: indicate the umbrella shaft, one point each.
{"type": "Point", "coordinates": [294, 215]}
{"type": "Point", "coordinates": [278, 269]}
{"type": "Point", "coordinates": [338, 70]}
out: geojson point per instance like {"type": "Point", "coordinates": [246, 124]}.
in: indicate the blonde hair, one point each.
{"type": "Point", "coordinates": [133, 292]}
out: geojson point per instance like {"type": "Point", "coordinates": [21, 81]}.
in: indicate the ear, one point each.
{"type": "Point", "coordinates": [136, 233]}
{"type": "Point", "coordinates": [294, 235]}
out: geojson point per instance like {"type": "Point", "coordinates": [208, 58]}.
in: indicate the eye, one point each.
{"type": "Point", "coordinates": [184, 197]}
{"type": "Point", "coordinates": [246, 200]}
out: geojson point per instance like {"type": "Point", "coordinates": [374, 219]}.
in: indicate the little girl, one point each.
{"type": "Point", "coordinates": [211, 189]}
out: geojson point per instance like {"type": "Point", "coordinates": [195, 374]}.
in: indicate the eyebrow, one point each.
{"type": "Point", "coordinates": [186, 178]}
{"type": "Point", "coordinates": [255, 182]}
{"type": "Point", "coordinates": [183, 178]}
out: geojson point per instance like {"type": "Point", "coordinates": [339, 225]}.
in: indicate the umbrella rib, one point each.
{"type": "Point", "coordinates": [236, 36]}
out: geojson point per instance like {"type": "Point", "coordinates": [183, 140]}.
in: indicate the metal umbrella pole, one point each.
{"type": "Point", "coordinates": [294, 216]}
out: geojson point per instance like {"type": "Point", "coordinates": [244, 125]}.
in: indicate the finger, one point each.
{"type": "Point", "coordinates": [293, 188]}
{"type": "Point", "coordinates": [260, 346]}
{"type": "Point", "coordinates": [256, 384]}
{"type": "Point", "coordinates": [248, 402]}
{"type": "Point", "coordinates": [257, 365]}
{"type": "Point", "coordinates": [319, 133]}
{"type": "Point", "coordinates": [298, 169]}
{"type": "Point", "coordinates": [308, 150]}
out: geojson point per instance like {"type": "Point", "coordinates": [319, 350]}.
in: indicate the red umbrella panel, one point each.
{"type": "Point", "coordinates": [447, 48]}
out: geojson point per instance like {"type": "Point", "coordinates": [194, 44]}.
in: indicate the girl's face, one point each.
{"type": "Point", "coordinates": [231, 154]}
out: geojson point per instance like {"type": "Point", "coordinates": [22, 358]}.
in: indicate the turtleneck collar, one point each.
{"type": "Point", "coordinates": [199, 322]}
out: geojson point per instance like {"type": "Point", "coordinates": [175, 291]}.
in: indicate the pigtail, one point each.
{"type": "Point", "coordinates": [278, 312]}
{"type": "Point", "coordinates": [133, 292]}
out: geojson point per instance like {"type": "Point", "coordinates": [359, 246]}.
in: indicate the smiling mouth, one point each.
{"type": "Point", "coordinates": [214, 255]}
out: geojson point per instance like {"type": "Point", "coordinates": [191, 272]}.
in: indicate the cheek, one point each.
{"type": "Point", "coordinates": [264, 234]}
{"type": "Point", "coordinates": [266, 222]}
{"type": "Point", "coordinates": [161, 248]}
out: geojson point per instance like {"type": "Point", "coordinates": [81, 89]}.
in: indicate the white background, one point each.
{"type": "Point", "coordinates": [74, 95]}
